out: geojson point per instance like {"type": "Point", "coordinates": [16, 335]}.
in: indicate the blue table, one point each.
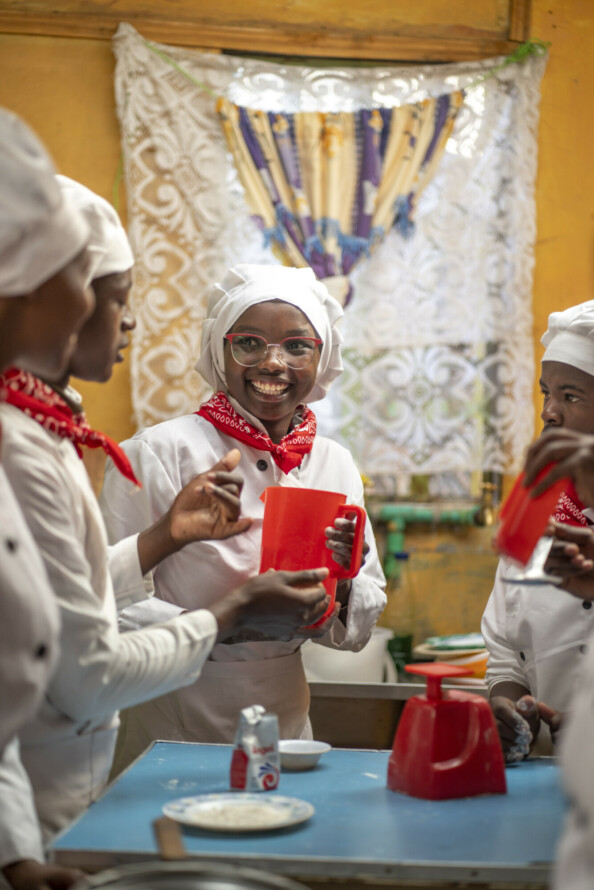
{"type": "Point", "coordinates": [361, 831]}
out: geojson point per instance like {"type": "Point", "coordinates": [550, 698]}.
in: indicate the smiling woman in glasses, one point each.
{"type": "Point", "coordinates": [270, 346]}
{"type": "Point", "coordinates": [270, 379]}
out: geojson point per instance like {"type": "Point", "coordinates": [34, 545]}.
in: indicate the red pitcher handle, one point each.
{"type": "Point", "coordinates": [357, 552]}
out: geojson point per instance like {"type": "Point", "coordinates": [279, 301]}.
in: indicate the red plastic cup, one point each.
{"type": "Point", "coordinates": [523, 518]}
{"type": "Point", "coordinates": [293, 536]}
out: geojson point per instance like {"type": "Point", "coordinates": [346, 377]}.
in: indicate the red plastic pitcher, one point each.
{"type": "Point", "coordinates": [446, 744]}
{"type": "Point", "coordinates": [523, 519]}
{"type": "Point", "coordinates": [293, 533]}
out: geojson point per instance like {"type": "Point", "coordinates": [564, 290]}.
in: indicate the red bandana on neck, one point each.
{"type": "Point", "coordinates": [289, 451]}
{"type": "Point", "coordinates": [569, 508]}
{"type": "Point", "coordinates": [40, 402]}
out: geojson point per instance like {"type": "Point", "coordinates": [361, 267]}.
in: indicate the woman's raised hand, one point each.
{"type": "Point", "coordinates": [209, 506]}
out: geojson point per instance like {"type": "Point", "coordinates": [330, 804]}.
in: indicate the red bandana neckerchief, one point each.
{"type": "Point", "coordinates": [40, 402]}
{"type": "Point", "coordinates": [290, 450]}
{"type": "Point", "coordinates": [569, 508]}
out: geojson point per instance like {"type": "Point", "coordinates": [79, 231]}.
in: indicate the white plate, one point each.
{"type": "Point", "coordinates": [238, 811]}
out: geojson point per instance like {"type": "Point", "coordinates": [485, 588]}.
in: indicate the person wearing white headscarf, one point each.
{"type": "Point", "coordinates": [67, 746]}
{"type": "Point", "coordinates": [569, 337]}
{"type": "Point", "coordinates": [108, 245]}
{"type": "Point", "coordinates": [247, 285]}
{"type": "Point", "coordinates": [41, 231]}
{"type": "Point", "coordinates": [42, 243]}
{"type": "Point", "coordinates": [165, 456]}
{"type": "Point", "coordinates": [537, 634]}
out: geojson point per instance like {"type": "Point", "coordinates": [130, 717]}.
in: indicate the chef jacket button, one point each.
{"type": "Point", "coordinates": [586, 604]}
{"type": "Point", "coordinates": [522, 656]}
{"type": "Point", "coordinates": [41, 651]}
{"type": "Point", "coordinates": [262, 465]}
{"type": "Point", "coordinates": [10, 545]}
{"type": "Point", "coordinates": [583, 649]}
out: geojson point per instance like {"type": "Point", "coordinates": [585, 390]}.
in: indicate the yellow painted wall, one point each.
{"type": "Point", "coordinates": [445, 583]}
{"type": "Point", "coordinates": [64, 89]}
{"type": "Point", "coordinates": [564, 270]}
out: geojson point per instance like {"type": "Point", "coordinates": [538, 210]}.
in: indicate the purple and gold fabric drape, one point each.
{"type": "Point", "coordinates": [326, 187]}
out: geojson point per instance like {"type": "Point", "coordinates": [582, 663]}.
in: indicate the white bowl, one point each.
{"type": "Point", "coordinates": [301, 753]}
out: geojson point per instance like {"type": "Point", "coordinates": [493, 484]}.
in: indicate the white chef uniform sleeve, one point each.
{"type": "Point", "coordinates": [502, 664]}
{"type": "Point", "coordinates": [127, 513]}
{"type": "Point", "coordinates": [20, 833]}
{"type": "Point", "coordinates": [129, 585]}
{"type": "Point", "coordinates": [100, 670]}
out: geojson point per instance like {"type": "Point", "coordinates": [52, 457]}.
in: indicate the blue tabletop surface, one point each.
{"type": "Point", "coordinates": [359, 826]}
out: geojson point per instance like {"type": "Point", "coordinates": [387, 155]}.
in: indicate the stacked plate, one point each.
{"type": "Point", "coordinates": [464, 650]}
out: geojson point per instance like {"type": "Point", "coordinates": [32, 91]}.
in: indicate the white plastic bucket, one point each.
{"type": "Point", "coordinates": [373, 664]}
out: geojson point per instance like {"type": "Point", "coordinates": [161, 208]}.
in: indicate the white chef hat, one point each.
{"type": "Point", "coordinates": [570, 337]}
{"type": "Point", "coordinates": [40, 229]}
{"type": "Point", "coordinates": [246, 285]}
{"type": "Point", "coordinates": [108, 247]}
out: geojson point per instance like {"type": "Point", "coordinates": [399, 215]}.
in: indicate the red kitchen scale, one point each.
{"type": "Point", "coordinates": [446, 743]}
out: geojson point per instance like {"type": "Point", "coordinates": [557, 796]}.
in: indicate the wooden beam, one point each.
{"type": "Point", "coordinates": [377, 47]}
{"type": "Point", "coordinates": [519, 20]}
{"type": "Point", "coordinates": [173, 24]}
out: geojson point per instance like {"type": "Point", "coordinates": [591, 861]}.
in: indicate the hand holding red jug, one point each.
{"type": "Point", "coordinates": [293, 534]}
{"type": "Point", "coordinates": [524, 516]}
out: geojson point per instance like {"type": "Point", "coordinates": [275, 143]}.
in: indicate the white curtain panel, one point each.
{"type": "Point", "coordinates": [439, 363]}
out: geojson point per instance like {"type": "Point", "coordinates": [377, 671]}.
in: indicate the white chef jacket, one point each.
{"type": "Point", "coordinates": [29, 621]}
{"type": "Point", "coordinates": [67, 747]}
{"type": "Point", "coordinates": [20, 832]}
{"type": "Point", "coordinates": [537, 636]}
{"type": "Point", "coordinates": [574, 868]}
{"type": "Point", "coordinates": [167, 456]}
{"type": "Point", "coordinates": [29, 648]}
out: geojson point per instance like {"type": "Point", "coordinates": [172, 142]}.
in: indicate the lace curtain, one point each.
{"type": "Point", "coordinates": [438, 355]}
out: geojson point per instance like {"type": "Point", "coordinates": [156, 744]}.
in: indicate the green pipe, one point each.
{"type": "Point", "coordinates": [398, 516]}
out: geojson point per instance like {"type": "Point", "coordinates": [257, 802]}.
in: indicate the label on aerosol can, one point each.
{"type": "Point", "coordinates": [255, 763]}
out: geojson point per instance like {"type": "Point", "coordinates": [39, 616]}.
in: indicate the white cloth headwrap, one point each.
{"type": "Point", "coordinates": [109, 246]}
{"type": "Point", "coordinates": [570, 337]}
{"type": "Point", "coordinates": [40, 230]}
{"type": "Point", "coordinates": [246, 285]}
